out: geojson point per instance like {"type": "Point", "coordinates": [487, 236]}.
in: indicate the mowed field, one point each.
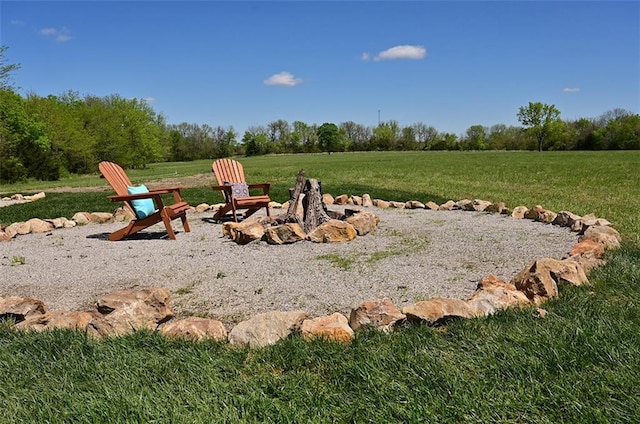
{"type": "Point", "coordinates": [604, 183]}
{"type": "Point", "coordinates": [578, 362]}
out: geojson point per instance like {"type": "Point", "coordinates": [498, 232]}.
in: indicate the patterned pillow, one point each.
{"type": "Point", "coordinates": [239, 190]}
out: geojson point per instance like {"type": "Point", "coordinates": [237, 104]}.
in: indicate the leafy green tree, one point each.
{"type": "Point", "coordinates": [502, 137]}
{"type": "Point", "coordinates": [126, 130]}
{"type": "Point", "coordinates": [225, 142]}
{"type": "Point", "coordinates": [6, 69]}
{"type": "Point", "coordinates": [541, 120]}
{"type": "Point", "coordinates": [407, 140]}
{"type": "Point", "coordinates": [330, 138]}
{"type": "Point", "coordinates": [357, 135]}
{"type": "Point", "coordinates": [424, 134]}
{"type": "Point", "coordinates": [255, 143]}
{"type": "Point", "coordinates": [475, 138]}
{"type": "Point", "coordinates": [279, 134]}
{"type": "Point", "coordinates": [385, 136]}
{"type": "Point", "coordinates": [621, 132]}
{"type": "Point", "coordinates": [25, 150]}
{"type": "Point", "coordinates": [63, 119]}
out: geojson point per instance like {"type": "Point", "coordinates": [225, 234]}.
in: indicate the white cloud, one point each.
{"type": "Point", "coordinates": [48, 31]}
{"type": "Point", "coordinates": [17, 22]}
{"type": "Point", "coordinates": [283, 78]}
{"type": "Point", "coordinates": [402, 52]}
{"type": "Point", "coordinates": [60, 35]}
{"type": "Point", "coordinates": [365, 56]}
{"type": "Point", "coordinates": [571, 90]}
{"type": "Point", "coordinates": [149, 100]}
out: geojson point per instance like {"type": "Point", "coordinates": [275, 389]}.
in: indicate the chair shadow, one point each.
{"type": "Point", "coordinates": [146, 235]}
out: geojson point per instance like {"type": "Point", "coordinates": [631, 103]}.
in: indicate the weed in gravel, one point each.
{"type": "Point", "coordinates": [342, 262]}
{"type": "Point", "coordinates": [18, 260]}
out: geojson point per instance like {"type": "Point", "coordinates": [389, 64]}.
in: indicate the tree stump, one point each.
{"type": "Point", "coordinates": [294, 196]}
{"type": "Point", "coordinates": [315, 211]}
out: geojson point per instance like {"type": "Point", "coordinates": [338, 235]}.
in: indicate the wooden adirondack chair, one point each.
{"type": "Point", "coordinates": [229, 174]}
{"type": "Point", "coordinates": [120, 183]}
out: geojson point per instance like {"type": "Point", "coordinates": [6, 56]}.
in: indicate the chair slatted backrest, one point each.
{"type": "Point", "coordinates": [228, 171]}
{"type": "Point", "coordinates": [117, 178]}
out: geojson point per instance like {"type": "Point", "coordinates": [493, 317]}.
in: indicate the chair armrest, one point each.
{"type": "Point", "coordinates": [130, 197]}
{"type": "Point", "coordinates": [264, 186]}
{"type": "Point", "coordinates": [166, 190]}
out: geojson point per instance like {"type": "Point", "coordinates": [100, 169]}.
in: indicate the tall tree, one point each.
{"type": "Point", "coordinates": [6, 69]}
{"type": "Point", "coordinates": [25, 150]}
{"type": "Point", "coordinates": [330, 138]}
{"type": "Point", "coordinates": [540, 119]}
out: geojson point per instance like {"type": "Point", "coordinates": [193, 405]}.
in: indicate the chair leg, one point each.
{"type": "Point", "coordinates": [167, 223]}
{"type": "Point", "coordinates": [185, 223]}
{"type": "Point", "coordinates": [121, 233]}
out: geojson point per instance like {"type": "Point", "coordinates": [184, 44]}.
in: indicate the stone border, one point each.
{"type": "Point", "coordinates": [123, 312]}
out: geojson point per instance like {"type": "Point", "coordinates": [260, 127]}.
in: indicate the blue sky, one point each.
{"type": "Point", "coordinates": [448, 64]}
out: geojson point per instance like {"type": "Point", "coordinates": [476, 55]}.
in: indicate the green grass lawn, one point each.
{"type": "Point", "coordinates": [581, 363]}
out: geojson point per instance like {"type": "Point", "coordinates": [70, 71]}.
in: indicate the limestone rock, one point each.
{"type": "Point", "coordinates": [464, 204]}
{"type": "Point", "coordinates": [20, 308]}
{"type": "Point", "coordinates": [608, 236]}
{"type": "Point", "coordinates": [195, 328]}
{"type": "Point", "coordinates": [267, 328]}
{"type": "Point", "coordinates": [540, 214]}
{"type": "Point", "coordinates": [447, 206]}
{"type": "Point", "coordinates": [567, 271]}
{"type": "Point", "coordinates": [366, 200]}
{"type": "Point", "coordinates": [36, 196]}
{"type": "Point", "coordinates": [82, 218]}
{"type": "Point", "coordinates": [68, 223]}
{"type": "Point", "coordinates": [39, 226]}
{"type": "Point", "coordinates": [588, 247]}
{"type": "Point", "coordinates": [535, 282]}
{"type": "Point", "coordinates": [332, 327]}
{"type": "Point", "coordinates": [364, 222]}
{"type": "Point", "coordinates": [480, 205]}
{"type": "Point", "coordinates": [332, 231]}
{"type": "Point", "coordinates": [414, 204]}
{"type": "Point", "coordinates": [121, 214]}
{"type": "Point", "coordinates": [202, 207]}
{"type": "Point", "coordinates": [129, 310]}
{"type": "Point", "coordinates": [566, 219]}
{"type": "Point", "coordinates": [381, 314]}
{"type": "Point", "coordinates": [382, 204]}
{"type": "Point", "coordinates": [494, 294]}
{"type": "Point", "coordinates": [73, 320]}
{"type": "Point", "coordinates": [18, 228]}
{"type": "Point", "coordinates": [327, 199]}
{"type": "Point", "coordinates": [100, 217]}
{"type": "Point", "coordinates": [4, 236]}
{"type": "Point", "coordinates": [243, 232]}
{"type": "Point", "coordinates": [519, 212]}
{"type": "Point", "coordinates": [284, 234]}
{"type": "Point", "coordinates": [57, 222]}
{"type": "Point", "coordinates": [341, 200]}
{"type": "Point", "coordinates": [357, 200]}
{"type": "Point", "coordinates": [438, 309]}
{"type": "Point", "coordinates": [432, 205]}
{"type": "Point", "coordinates": [499, 207]}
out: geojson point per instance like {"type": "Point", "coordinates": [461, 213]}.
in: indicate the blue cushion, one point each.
{"type": "Point", "coordinates": [142, 207]}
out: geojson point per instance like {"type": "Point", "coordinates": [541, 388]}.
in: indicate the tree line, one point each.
{"type": "Point", "coordinates": [51, 137]}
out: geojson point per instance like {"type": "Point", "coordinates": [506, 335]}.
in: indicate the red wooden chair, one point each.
{"type": "Point", "coordinates": [146, 205]}
{"type": "Point", "coordinates": [236, 191]}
